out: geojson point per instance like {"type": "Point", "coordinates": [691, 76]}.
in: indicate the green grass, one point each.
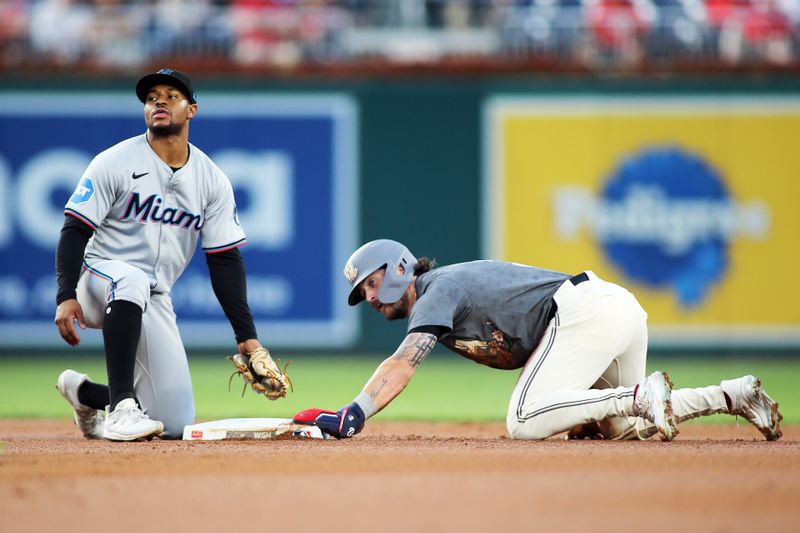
{"type": "Point", "coordinates": [446, 387]}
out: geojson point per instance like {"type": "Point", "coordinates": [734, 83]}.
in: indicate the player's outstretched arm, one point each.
{"type": "Point", "coordinates": [395, 373]}
{"type": "Point", "coordinates": [386, 383]}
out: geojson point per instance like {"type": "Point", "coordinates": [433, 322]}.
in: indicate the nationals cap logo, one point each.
{"type": "Point", "coordinates": [350, 272]}
{"type": "Point", "coordinates": [666, 219]}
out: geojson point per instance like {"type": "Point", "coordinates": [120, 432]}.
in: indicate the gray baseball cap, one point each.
{"type": "Point", "coordinates": [376, 255]}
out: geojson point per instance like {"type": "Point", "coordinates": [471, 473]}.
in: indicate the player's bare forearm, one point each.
{"type": "Point", "coordinates": [394, 374]}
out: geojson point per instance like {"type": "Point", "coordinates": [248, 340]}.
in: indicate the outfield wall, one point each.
{"type": "Point", "coordinates": [683, 191]}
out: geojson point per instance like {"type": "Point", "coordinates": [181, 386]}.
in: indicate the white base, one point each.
{"type": "Point", "coordinates": [251, 428]}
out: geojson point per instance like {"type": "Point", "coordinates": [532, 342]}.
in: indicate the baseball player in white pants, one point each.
{"type": "Point", "coordinates": [131, 228]}
{"type": "Point", "coordinates": [581, 343]}
{"type": "Point", "coordinates": [599, 329]}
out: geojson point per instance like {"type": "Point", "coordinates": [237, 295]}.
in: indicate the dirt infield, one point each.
{"type": "Point", "coordinates": [399, 477]}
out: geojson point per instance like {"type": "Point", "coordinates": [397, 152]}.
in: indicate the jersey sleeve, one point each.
{"type": "Point", "coordinates": [441, 305]}
{"type": "Point", "coordinates": [94, 196]}
{"type": "Point", "coordinates": [221, 229]}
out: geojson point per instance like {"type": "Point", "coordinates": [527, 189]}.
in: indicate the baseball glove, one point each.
{"type": "Point", "coordinates": [259, 370]}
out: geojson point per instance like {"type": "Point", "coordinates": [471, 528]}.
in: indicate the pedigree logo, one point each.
{"type": "Point", "coordinates": [666, 218]}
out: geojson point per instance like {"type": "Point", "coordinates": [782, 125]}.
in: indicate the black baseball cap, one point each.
{"type": "Point", "coordinates": [165, 76]}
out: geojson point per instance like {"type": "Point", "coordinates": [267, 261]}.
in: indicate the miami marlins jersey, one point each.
{"type": "Point", "coordinates": [146, 215]}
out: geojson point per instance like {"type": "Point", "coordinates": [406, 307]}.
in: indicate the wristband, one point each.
{"type": "Point", "coordinates": [366, 404]}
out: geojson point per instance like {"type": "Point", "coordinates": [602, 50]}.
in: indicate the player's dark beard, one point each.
{"type": "Point", "coordinates": [162, 132]}
{"type": "Point", "coordinates": [399, 309]}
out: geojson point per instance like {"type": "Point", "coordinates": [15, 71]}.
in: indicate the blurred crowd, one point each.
{"type": "Point", "coordinates": [669, 32]}
{"type": "Point", "coordinates": [120, 34]}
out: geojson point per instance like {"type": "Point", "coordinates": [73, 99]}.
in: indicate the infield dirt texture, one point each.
{"type": "Point", "coordinates": [399, 476]}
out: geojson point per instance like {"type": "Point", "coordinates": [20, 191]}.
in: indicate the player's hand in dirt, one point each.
{"type": "Point", "coordinates": [67, 313]}
{"type": "Point", "coordinates": [344, 423]}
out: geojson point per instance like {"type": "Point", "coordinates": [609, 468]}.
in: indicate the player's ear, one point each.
{"type": "Point", "coordinates": [192, 110]}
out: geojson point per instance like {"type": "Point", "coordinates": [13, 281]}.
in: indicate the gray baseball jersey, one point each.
{"type": "Point", "coordinates": [147, 220]}
{"type": "Point", "coordinates": [497, 311]}
{"type": "Point", "coordinates": [150, 217]}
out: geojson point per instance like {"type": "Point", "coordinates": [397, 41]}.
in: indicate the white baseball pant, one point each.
{"type": "Point", "coordinates": [585, 369]}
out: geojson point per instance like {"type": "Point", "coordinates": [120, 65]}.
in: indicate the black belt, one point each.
{"type": "Point", "coordinates": [575, 280]}
{"type": "Point", "coordinates": [579, 278]}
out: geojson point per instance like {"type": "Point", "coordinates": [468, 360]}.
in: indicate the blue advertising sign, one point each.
{"type": "Point", "coordinates": [292, 162]}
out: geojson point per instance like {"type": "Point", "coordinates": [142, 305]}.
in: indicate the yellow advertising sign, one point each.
{"type": "Point", "coordinates": [693, 204]}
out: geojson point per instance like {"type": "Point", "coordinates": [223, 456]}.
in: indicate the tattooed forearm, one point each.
{"type": "Point", "coordinates": [395, 372]}
{"type": "Point", "coordinates": [374, 392]}
{"type": "Point", "coordinates": [415, 348]}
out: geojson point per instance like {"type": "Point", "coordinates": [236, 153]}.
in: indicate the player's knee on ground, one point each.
{"type": "Point", "coordinates": [529, 429]}
{"type": "Point", "coordinates": [174, 410]}
{"type": "Point", "coordinates": [174, 424]}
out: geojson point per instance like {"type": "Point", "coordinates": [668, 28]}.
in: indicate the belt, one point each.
{"type": "Point", "coordinates": [579, 278]}
{"type": "Point", "coordinates": [575, 280]}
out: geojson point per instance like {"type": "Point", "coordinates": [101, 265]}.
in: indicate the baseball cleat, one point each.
{"type": "Point", "coordinates": [88, 419]}
{"type": "Point", "coordinates": [751, 401]}
{"type": "Point", "coordinates": [653, 401]}
{"type": "Point", "coordinates": [127, 422]}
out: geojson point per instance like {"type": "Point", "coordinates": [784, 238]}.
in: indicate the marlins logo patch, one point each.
{"type": "Point", "coordinates": [350, 272]}
{"type": "Point", "coordinates": [83, 191]}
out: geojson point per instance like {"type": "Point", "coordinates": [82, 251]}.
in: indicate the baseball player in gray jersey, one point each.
{"type": "Point", "coordinates": [131, 229]}
{"type": "Point", "coordinates": [581, 343]}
